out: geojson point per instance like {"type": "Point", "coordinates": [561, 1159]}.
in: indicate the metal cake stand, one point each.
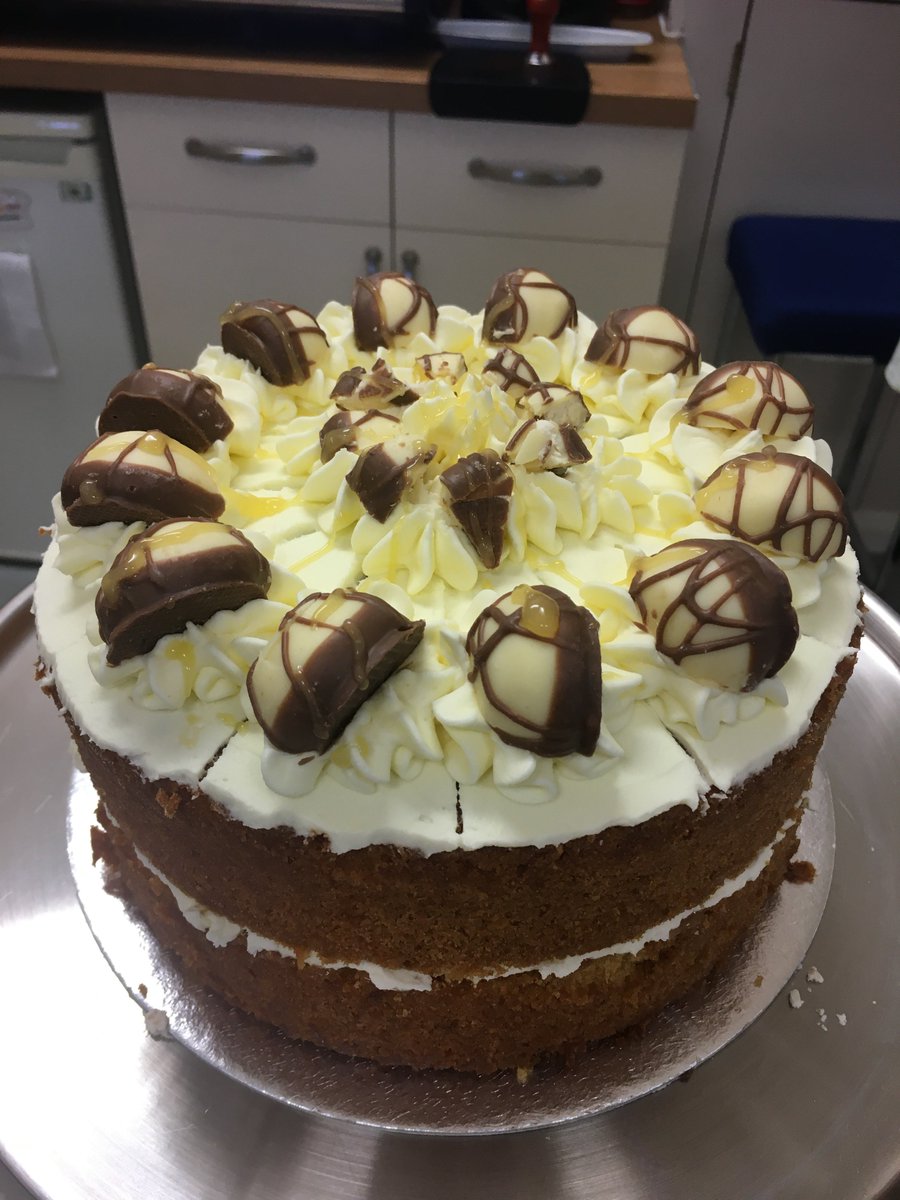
{"type": "Point", "coordinates": [805, 1104]}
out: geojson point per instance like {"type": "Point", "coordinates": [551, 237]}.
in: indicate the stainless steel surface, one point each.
{"type": "Point", "coordinates": [251, 156]}
{"type": "Point", "coordinates": [447, 1102]}
{"type": "Point", "coordinates": [91, 1106]}
{"type": "Point", "coordinates": [525, 176]}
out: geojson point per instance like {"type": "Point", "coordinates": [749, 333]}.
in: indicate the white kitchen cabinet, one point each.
{"type": "Point", "coordinates": [191, 266]}
{"type": "Point", "coordinates": [610, 183]}
{"type": "Point", "coordinates": [460, 268]}
{"type": "Point", "coordinates": [213, 219]}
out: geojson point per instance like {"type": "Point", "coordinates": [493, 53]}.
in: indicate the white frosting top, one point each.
{"type": "Point", "coordinates": [418, 766]}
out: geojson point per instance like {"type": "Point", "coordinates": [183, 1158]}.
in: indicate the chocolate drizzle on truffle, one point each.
{"type": "Point", "coordinates": [510, 371]}
{"type": "Point", "coordinates": [330, 654]}
{"type": "Point", "coordinates": [382, 473]}
{"type": "Point", "coordinates": [358, 388]}
{"type": "Point", "coordinates": [133, 476]}
{"type": "Point", "coordinates": [719, 609]}
{"type": "Point", "coordinates": [783, 500]}
{"type": "Point", "coordinates": [387, 306]}
{"type": "Point", "coordinates": [343, 431]}
{"type": "Point", "coordinates": [173, 573]}
{"type": "Point", "coordinates": [479, 487]}
{"type": "Point", "coordinates": [445, 365]}
{"type": "Point", "coordinates": [182, 404]}
{"type": "Point", "coordinates": [556, 402]}
{"type": "Point", "coordinates": [281, 340]}
{"type": "Point", "coordinates": [649, 339]}
{"type": "Point", "coordinates": [751, 395]}
{"type": "Point", "coordinates": [524, 304]}
{"type": "Point", "coordinates": [539, 445]}
{"type": "Point", "coordinates": [537, 672]}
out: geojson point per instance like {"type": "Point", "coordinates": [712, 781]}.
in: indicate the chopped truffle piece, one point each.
{"type": "Point", "coordinates": [282, 341]}
{"type": "Point", "coordinates": [447, 366]}
{"type": "Point", "coordinates": [135, 476]}
{"type": "Point", "coordinates": [330, 654]}
{"type": "Point", "coordinates": [751, 395]}
{"type": "Point", "coordinates": [343, 431]}
{"type": "Point", "coordinates": [185, 406]}
{"type": "Point", "coordinates": [510, 371]}
{"type": "Point", "coordinates": [359, 389]}
{"type": "Point", "coordinates": [540, 445]}
{"type": "Point", "coordinates": [718, 609]}
{"type": "Point", "coordinates": [556, 402]}
{"type": "Point", "coordinates": [647, 339]}
{"type": "Point", "coordinates": [525, 304]}
{"type": "Point", "coordinates": [536, 671]}
{"type": "Point", "coordinates": [174, 573]}
{"type": "Point", "coordinates": [387, 306]}
{"type": "Point", "coordinates": [777, 499]}
{"type": "Point", "coordinates": [383, 472]}
{"type": "Point", "coordinates": [478, 490]}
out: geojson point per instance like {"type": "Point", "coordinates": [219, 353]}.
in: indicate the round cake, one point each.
{"type": "Point", "coordinates": [451, 683]}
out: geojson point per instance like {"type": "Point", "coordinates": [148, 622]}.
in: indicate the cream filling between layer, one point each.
{"type": "Point", "coordinates": [220, 931]}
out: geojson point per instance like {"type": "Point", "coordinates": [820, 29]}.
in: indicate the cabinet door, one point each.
{"type": "Point", "coordinates": [615, 183]}
{"type": "Point", "coordinates": [191, 266]}
{"type": "Point", "coordinates": [460, 268]}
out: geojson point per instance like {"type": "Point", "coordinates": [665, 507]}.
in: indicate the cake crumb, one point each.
{"type": "Point", "coordinates": [157, 1023]}
{"type": "Point", "coordinates": [823, 1019]}
{"type": "Point", "coordinates": [523, 1074]}
{"type": "Point", "coordinates": [841, 1018]}
{"type": "Point", "coordinates": [167, 801]}
{"type": "Point", "coordinates": [813, 975]}
{"type": "Point", "coordinates": [142, 988]}
{"type": "Point", "coordinates": [795, 1000]}
{"type": "Point", "coordinates": [758, 981]}
{"type": "Point", "coordinates": [800, 871]}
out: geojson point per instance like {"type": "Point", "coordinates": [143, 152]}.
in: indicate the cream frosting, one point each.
{"type": "Point", "coordinates": [419, 754]}
{"type": "Point", "coordinates": [220, 931]}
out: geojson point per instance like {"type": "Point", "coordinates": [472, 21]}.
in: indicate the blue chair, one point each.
{"type": "Point", "coordinates": [823, 286]}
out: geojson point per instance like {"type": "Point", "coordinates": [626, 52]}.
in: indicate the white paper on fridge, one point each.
{"type": "Point", "coordinates": [25, 347]}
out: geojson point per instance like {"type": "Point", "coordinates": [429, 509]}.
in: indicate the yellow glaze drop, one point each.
{"type": "Point", "coordinates": [182, 651]}
{"type": "Point", "coordinates": [540, 612]}
{"type": "Point", "coordinates": [738, 388]}
{"type": "Point", "coordinates": [254, 508]}
{"type": "Point", "coordinates": [329, 605]}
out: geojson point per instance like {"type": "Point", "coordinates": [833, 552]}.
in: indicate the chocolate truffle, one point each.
{"type": "Point", "coordinates": [555, 402]}
{"type": "Point", "coordinates": [751, 395]}
{"type": "Point", "coordinates": [330, 654]}
{"type": "Point", "coordinates": [175, 573]}
{"type": "Point", "coordinates": [647, 339]}
{"type": "Point", "coordinates": [525, 304]}
{"type": "Point", "coordinates": [382, 473]}
{"type": "Point", "coordinates": [777, 499]}
{"type": "Point", "coordinates": [719, 609]}
{"type": "Point", "coordinates": [478, 490]}
{"type": "Point", "coordinates": [282, 341]}
{"type": "Point", "coordinates": [186, 406]}
{"type": "Point", "coordinates": [510, 371]}
{"type": "Point", "coordinates": [135, 476]}
{"type": "Point", "coordinates": [536, 671]}
{"type": "Point", "coordinates": [388, 306]}
{"type": "Point", "coordinates": [343, 430]}
{"type": "Point", "coordinates": [361, 390]}
{"type": "Point", "coordinates": [541, 445]}
{"type": "Point", "coordinates": [447, 366]}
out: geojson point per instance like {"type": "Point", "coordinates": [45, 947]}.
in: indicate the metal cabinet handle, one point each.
{"type": "Point", "coordinates": [409, 261]}
{"type": "Point", "coordinates": [251, 156]}
{"type": "Point", "coordinates": [372, 259]}
{"type": "Point", "coordinates": [535, 176]}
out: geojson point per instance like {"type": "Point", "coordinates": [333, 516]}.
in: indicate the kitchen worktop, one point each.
{"type": "Point", "coordinates": [652, 88]}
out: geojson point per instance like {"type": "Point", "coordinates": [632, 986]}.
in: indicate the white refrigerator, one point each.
{"type": "Point", "coordinates": [68, 330]}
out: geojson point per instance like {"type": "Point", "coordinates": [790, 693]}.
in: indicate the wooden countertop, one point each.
{"type": "Point", "coordinates": [652, 88]}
